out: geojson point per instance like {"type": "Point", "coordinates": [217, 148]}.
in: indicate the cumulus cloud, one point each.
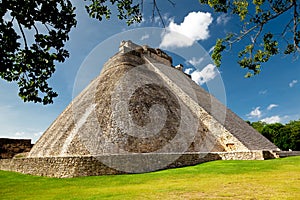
{"type": "Point", "coordinates": [174, 39]}
{"type": "Point", "coordinates": [157, 19]}
{"type": "Point", "coordinates": [194, 27]}
{"type": "Point", "coordinates": [165, 18]}
{"type": "Point", "coordinates": [291, 84]}
{"type": "Point", "coordinates": [188, 71]}
{"type": "Point", "coordinates": [38, 134]}
{"type": "Point", "coordinates": [211, 49]}
{"type": "Point", "coordinates": [263, 92]}
{"type": "Point", "coordinates": [5, 108]}
{"type": "Point", "coordinates": [19, 133]}
{"type": "Point", "coordinates": [206, 74]}
{"type": "Point", "coordinates": [271, 106]}
{"type": "Point", "coordinates": [30, 134]}
{"type": "Point", "coordinates": [255, 113]}
{"type": "Point", "coordinates": [272, 119]}
{"type": "Point", "coordinates": [196, 61]}
{"type": "Point", "coordinates": [223, 19]}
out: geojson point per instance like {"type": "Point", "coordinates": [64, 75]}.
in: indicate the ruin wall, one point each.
{"type": "Point", "coordinates": [75, 166]}
{"type": "Point", "coordinates": [10, 147]}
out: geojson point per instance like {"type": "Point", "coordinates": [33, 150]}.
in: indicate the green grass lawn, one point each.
{"type": "Point", "coordinates": [270, 179]}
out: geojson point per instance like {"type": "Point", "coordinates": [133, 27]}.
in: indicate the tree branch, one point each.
{"type": "Point", "coordinates": [36, 30]}
{"type": "Point", "coordinates": [23, 35]}
{"type": "Point", "coordinates": [258, 33]}
{"type": "Point", "coordinates": [47, 27]}
{"type": "Point", "coordinates": [244, 34]}
{"type": "Point", "coordinates": [295, 26]}
{"type": "Point", "coordinates": [27, 78]}
{"type": "Point", "coordinates": [155, 8]}
{"type": "Point", "coordinates": [158, 11]}
{"type": "Point", "coordinates": [286, 27]}
{"type": "Point", "coordinates": [261, 24]}
{"type": "Point", "coordinates": [142, 6]}
{"type": "Point", "coordinates": [12, 19]}
{"type": "Point", "coordinates": [279, 13]}
{"type": "Point", "coordinates": [171, 2]}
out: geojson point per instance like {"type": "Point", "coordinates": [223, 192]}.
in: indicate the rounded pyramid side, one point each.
{"type": "Point", "coordinates": [96, 122]}
{"type": "Point", "coordinates": [65, 135]}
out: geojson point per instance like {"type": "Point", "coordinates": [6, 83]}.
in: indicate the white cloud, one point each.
{"type": "Point", "coordinates": [194, 27]}
{"type": "Point", "coordinates": [263, 92]}
{"type": "Point", "coordinates": [165, 18]}
{"type": "Point", "coordinates": [211, 49]}
{"type": "Point", "coordinates": [271, 106]}
{"type": "Point", "coordinates": [5, 108]}
{"type": "Point", "coordinates": [174, 39]}
{"type": "Point", "coordinates": [272, 119]}
{"type": "Point", "coordinates": [223, 19]}
{"type": "Point", "coordinates": [194, 61]}
{"type": "Point", "coordinates": [38, 134]}
{"type": "Point", "coordinates": [157, 19]}
{"type": "Point", "coordinates": [291, 84]}
{"type": "Point", "coordinates": [287, 118]}
{"type": "Point", "coordinates": [33, 135]}
{"type": "Point", "coordinates": [206, 74]}
{"type": "Point", "coordinates": [256, 113]}
{"type": "Point", "coordinates": [19, 133]}
{"type": "Point", "coordinates": [144, 37]}
{"type": "Point", "coordinates": [188, 71]}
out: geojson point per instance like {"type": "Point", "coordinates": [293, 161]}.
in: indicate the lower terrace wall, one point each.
{"type": "Point", "coordinates": [66, 167]}
{"type": "Point", "coordinates": [10, 147]}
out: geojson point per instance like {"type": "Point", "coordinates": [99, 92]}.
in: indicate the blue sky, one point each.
{"type": "Point", "coordinates": [272, 96]}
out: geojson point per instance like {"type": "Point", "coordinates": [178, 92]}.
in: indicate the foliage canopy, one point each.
{"type": "Point", "coordinates": [261, 43]}
{"type": "Point", "coordinates": [284, 136]}
{"type": "Point", "coordinates": [31, 64]}
{"type": "Point", "coordinates": [33, 35]}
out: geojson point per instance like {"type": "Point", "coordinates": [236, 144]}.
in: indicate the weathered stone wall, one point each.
{"type": "Point", "coordinates": [10, 147]}
{"type": "Point", "coordinates": [221, 135]}
{"type": "Point", "coordinates": [130, 85]}
{"type": "Point", "coordinates": [251, 155]}
{"type": "Point", "coordinates": [283, 154]}
{"type": "Point", "coordinates": [95, 123]}
{"type": "Point", "coordinates": [60, 167]}
{"type": "Point", "coordinates": [66, 167]}
{"type": "Point", "coordinates": [157, 54]}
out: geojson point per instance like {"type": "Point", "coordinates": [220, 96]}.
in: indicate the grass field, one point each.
{"type": "Point", "coordinates": [270, 179]}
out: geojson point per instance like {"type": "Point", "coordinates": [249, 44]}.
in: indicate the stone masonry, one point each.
{"type": "Point", "coordinates": [10, 147]}
{"type": "Point", "coordinates": [75, 166]}
{"type": "Point", "coordinates": [140, 109]}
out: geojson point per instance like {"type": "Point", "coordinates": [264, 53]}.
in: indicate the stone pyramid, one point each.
{"type": "Point", "coordinates": [141, 104]}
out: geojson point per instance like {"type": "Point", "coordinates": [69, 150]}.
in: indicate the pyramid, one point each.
{"type": "Point", "coordinates": [141, 104]}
